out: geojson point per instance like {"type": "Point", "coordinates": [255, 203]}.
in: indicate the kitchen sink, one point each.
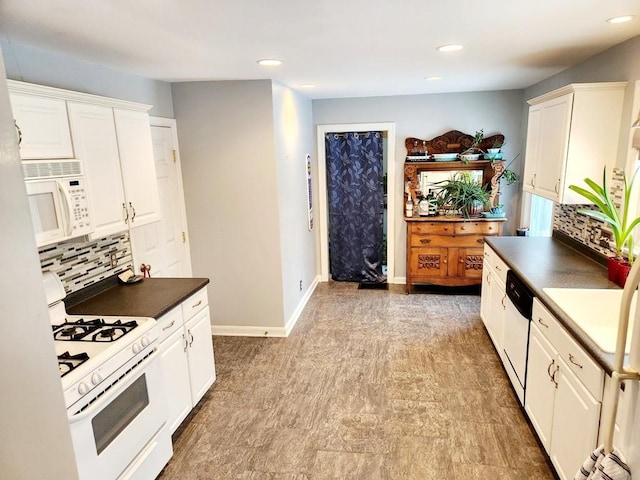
{"type": "Point", "coordinates": [595, 311]}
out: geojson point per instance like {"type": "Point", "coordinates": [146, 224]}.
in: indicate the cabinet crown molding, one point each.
{"type": "Point", "coordinates": [577, 87]}
{"type": "Point", "coordinates": [26, 88]}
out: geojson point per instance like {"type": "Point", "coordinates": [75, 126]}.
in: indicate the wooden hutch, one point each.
{"type": "Point", "coordinates": [447, 250]}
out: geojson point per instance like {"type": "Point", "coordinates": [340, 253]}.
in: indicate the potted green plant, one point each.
{"type": "Point", "coordinates": [461, 193]}
{"type": "Point", "coordinates": [474, 151]}
{"type": "Point", "coordinates": [621, 225]}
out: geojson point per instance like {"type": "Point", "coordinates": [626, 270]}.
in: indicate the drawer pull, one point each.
{"type": "Point", "coordinates": [571, 359]}
{"type": "Point", "coordinates": [542, 323]}
{"type": "Point", "coordinates": [497, 267]}
{"type": "Point", "coordinates": [197, 304]}
{"type": "Point", "coordinates": [169, 326]}
{"type": "Point", "coordinates": [480, 240]}
{"type": "Point", "coordinates": [425, 240]}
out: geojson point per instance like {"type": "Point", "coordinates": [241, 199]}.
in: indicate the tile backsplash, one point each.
{"type": "Point", "coordinates": [592, 233]}
{"type": "Point", "coordinates": [82, 264]}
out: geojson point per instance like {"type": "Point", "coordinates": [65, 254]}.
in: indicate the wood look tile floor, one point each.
{"type": "Point", "coordinates": [371, 384]}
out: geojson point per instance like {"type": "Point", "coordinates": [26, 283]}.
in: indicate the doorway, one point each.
{"type": "Point", "coordinates": [388, 131]}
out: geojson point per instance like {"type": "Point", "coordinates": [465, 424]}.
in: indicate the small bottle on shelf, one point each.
{"type": "Point", "coordinates": [408, 212]}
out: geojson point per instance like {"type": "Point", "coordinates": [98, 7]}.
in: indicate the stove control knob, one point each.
{"type": "Point", "coordinates": [136, 348]}
{"type": "Point", "coordinates": [96, 378]}
{"type": "Point", "coordinates": [83, 388]}
{"type": "Point", "coordinates": [145, 341]}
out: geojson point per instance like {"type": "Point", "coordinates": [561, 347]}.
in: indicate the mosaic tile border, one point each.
{"type": "Point", "coordinates": [80, 264]}
{"type": "Point", "coordinates": [594, 234]}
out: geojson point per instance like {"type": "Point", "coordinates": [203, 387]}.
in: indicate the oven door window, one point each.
{"type": "Point", "coordinates": [116, 416]}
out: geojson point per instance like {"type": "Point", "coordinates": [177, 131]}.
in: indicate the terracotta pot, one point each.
{"type": "Point", "coordinates": [623, 272]}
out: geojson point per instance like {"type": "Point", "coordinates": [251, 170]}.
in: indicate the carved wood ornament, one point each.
{"type": "Point", "coordinates": [453, 141]}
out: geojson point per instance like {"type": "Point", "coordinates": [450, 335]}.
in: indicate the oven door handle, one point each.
{"type": "Point", "coordinates": [107, 397]}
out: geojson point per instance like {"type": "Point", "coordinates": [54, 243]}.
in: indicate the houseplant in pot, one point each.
{"type": "Point", "coordinates": [621, 225]}
{"type": "Point", "coordinates": [461, 193]}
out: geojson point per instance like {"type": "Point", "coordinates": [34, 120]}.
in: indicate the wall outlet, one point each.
{"type": "Point", "coordinates": [300, 285]}
{"type": "Point", "coordinates": [114, 259]}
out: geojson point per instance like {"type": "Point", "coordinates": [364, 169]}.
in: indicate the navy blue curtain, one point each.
{"type": "Point", "coordinates": [356, 203]}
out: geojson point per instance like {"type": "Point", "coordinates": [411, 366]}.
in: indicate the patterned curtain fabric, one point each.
{"type": "Point", "coordinates": [356, 203]}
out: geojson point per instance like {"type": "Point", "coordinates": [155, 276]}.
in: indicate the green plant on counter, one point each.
{"type": "Point", "coordinates": [619, 221]}
{"type": "Point", "coordinates": [461, 193]}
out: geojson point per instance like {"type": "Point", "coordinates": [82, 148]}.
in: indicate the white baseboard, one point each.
{"type": "Point", "coordinates": [398, 280]}
{"type": "Point", "coordinates": [255, 331]}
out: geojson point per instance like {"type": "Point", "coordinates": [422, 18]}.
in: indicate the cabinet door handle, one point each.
{"type": "Point", "coordinates": [541, 322]}
{"type": "Point", "coordinates": [425, 240]}
{"type": "Point", "coordinates": [18, 130]}
{"type": "Point", "coordinates": [553, 361]}
{"type": "Point", "coordinates": [186, 342]}
{"type": "Point", "coordinates": [553, 377]}
{"type": "Point", "coordinates": [133, 216]}
{"type": "Point", "coordinates": [169, 326]}
{"type": "Point", "coordinates": [533, 180]}
{"type": "Point", "coordinates": [126, 212]}
{"type": "Point", "coordinates": [197, 304]}
{"type": "Point", "coordinates": [488, 279]}
{"type": "Point", "coordinates": [572, 360]}
{"type": "Point", "coordinates": [190, 338]}
{"type": "Point", "coordinates": [504, 297]}
{"type": "Point", "coordinates": [557, 187]}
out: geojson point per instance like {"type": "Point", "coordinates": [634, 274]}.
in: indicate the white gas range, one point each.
{"type": "Point", "coordinates": [113, 390]}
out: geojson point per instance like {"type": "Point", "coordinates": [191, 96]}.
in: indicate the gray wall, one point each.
{"type": "Point", "coordinates": [34, 431]}
{"type": "Point", "coordinates": [34, 65]}
{"type": "Point", "coordinates": [620, 63]}
{"type": "Point", "coordinates": [426, 116]}
{"type": "Point", "coordinates": [227, 150]}
{"type": "Point", "coordinates": [293, 130]}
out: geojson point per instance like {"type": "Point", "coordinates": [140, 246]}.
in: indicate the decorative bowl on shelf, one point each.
{"type": "Point", "coordinates": [493, 156]}
{"type": "Point", "coordinates": [466, 157]}
{"type": "Point", "coordinates": [445, 157]}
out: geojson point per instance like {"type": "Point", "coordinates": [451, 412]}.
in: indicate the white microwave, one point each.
{"type": "Point", "coordinates": [58, 202]}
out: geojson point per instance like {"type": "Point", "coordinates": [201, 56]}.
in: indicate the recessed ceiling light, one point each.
{"type": "Point", "coordinates": [622, 19]}
{"type": "Point", "coordinates": [449, 48]}
{"type": "Point", "coordinates": [433, 78]}
{"type": "Point", "coordinates": [307, 85]}
{"type": "Point", "coordinates": [269, 62]}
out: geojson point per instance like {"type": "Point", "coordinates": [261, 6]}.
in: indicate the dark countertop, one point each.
{"type": "Point", "coordinates": [152, 297]}
{"type": "Point", "coordinates": [543, 262]}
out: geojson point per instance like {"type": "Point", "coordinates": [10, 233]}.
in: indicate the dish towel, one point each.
{"type": "Point", "coordinates": [603, 466]}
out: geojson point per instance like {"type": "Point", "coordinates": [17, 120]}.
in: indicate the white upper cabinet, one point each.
{"type": "Point", "coordinates": [138, 166]}
{"type": "Point", "coordinates": [43, 126]}
{"type": "Point", "coordinates": [112, 139]}
{"type": "Point", "coordinates": [94, 136]}
{"type": "Point", "coordinates": [572, 134]}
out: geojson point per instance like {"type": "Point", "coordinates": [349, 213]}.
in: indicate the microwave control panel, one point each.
{"type": "Point", "coordinates": [80, 218]}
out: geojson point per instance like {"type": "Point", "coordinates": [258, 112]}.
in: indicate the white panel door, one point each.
{"type": "Point", "coordinates": [94, 137]}
{"type": "Point", "coordinates": [163, 244]}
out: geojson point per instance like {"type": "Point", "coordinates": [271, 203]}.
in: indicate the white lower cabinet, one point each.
{"type": "Point", "coordinates": [186, 353]}
{"type": "Point", "coordinates": [564, 394]}
{"type": "Point", "coordinates": [493, 301]}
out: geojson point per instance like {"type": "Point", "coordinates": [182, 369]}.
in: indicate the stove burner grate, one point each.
{"type": "Point", "coordinates": [97, 330]}
{"type": "Point", "coordinates": [68, 362]}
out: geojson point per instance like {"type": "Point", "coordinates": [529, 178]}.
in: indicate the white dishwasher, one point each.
{"type": "Point", "coordinates": [516, 332]}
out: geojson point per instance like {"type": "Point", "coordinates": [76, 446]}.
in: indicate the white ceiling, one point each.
{"type": "Point", "coordinates": [345, 47]}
